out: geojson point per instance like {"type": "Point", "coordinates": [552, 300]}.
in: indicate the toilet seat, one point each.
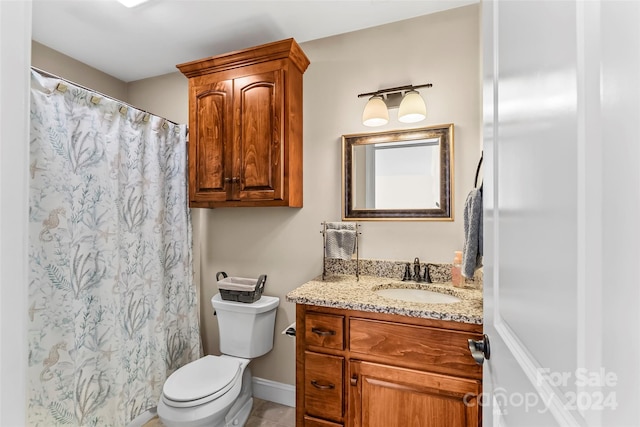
{"type": "Point", "coordinates": [201, 381]}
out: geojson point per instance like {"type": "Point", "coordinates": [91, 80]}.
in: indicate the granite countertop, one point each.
{"type": "Point", "coordinates": [344, 291]}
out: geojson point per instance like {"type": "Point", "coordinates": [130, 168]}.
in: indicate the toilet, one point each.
{"type": "Point", "coordinates": [215, 391]}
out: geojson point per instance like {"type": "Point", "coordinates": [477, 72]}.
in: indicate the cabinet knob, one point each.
{"type": "Point", "coordinates": [235, 179]}
{"type": "Point", "coordinates": [480, 349]}
{"type": "Point", "coordinates": [354, 380]}
{"type": "Point", "coordinates": [227, 180]}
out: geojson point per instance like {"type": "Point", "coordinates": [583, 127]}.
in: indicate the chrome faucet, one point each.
{"type": "Point", "coordinates": [416, 276]}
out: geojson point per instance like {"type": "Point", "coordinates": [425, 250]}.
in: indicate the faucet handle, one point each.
{"type": "Point", "coordinates": [427, 277]}
{"type": "Point", "coordinates": [407, 272]}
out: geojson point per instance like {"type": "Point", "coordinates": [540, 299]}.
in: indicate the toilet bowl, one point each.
{"type": "Point", "coordinates": [215, 391]}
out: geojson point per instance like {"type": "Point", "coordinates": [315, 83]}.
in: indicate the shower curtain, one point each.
{"type": "Point", "coordinates": [113, 307]}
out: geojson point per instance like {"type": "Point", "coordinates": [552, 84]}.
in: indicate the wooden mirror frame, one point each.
{"type": "Point", "coordinates": [444, 133]}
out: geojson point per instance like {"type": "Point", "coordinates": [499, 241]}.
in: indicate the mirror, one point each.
{"type": "Point", "coordinates": [398, 175]}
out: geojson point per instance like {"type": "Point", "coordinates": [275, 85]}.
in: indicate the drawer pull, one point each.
{"type": "Point", "coordinates": [322, 332]}
{"type": "Point", "coordinates": [322, 386]}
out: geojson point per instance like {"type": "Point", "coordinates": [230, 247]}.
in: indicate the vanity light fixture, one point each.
{"type": "Point", "coordinates": [411, 106]}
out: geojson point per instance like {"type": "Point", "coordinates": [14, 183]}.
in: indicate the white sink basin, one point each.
{"type": "Point", "coordinates": [417, 295]}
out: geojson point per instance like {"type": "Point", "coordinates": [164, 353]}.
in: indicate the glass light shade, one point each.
{"type": "Point", "coordinates": [375, 112]}
{"type": "Point", "coordinates": [412, 108]}
{"type": "Point", "coordinates": [132, 3]}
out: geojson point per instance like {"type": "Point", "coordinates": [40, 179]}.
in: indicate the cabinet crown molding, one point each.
{"type": "Point", "coordinates": [282, 49]}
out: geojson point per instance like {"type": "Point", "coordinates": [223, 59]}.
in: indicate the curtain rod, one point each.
{"type": "Point", "coordinates": [48, 74]}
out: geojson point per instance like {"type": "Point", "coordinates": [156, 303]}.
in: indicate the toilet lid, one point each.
{"type": "Point", "coordinates": [208, 376]}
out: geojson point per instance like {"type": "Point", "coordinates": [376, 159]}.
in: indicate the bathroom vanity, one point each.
{"type": "Point", "coordinates": [364, 360]}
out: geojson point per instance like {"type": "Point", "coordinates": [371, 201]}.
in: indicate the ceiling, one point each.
{"type": "Point", "coordinates": [150, 39]}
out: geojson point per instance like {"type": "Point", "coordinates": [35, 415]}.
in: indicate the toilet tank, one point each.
{"type": "Point", "coordinates": [246, 330]}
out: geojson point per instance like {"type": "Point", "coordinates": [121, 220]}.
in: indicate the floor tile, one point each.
{"type": "Point", "coordinates": [274, 412]}
{"type": "Point", "coordinates": [261, 422]}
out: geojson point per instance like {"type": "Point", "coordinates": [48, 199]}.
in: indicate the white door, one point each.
{"type": "Point", "coordinates": [15, 59]}
{"type": "Point", "coordinates": [562, 212]}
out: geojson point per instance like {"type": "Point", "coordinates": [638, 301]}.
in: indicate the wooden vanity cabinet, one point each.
{"type": "Point", "coordinates": [245, 127]}
{"type": "Point", "coordinates": [359, 369]}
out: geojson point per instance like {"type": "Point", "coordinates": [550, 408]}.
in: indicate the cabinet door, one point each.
{"type": "Point", "coordinates": [383, 396]}
{"type": "Point", "coordinates": [258, 140]}
{"type": "Point", "coordinates": [210, 155]}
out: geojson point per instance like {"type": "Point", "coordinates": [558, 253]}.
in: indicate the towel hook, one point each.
{"type": "Point", "coordinates": [475, 182]}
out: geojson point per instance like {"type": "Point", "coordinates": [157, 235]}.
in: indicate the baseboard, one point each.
{"type": "Point", "coordinates": [284, 394]}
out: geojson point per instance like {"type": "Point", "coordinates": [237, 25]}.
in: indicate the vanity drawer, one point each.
{"type": "Point", "coordinates": [323, 390]}
{"type": "Point", "coordinates": [324, 330]}
{"type": "Point", "coordinates": [442, 351]}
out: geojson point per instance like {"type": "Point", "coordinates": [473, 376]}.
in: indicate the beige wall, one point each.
{"type": "Point", "coordinates": [286, 244]}
{"type": "Point", "coordinates": [68, 68]}
{"type": "Point", "coordinates": [166, 96]}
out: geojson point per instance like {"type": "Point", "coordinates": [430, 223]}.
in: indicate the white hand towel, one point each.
{"type": "Point", "coordinates": [340, 240]}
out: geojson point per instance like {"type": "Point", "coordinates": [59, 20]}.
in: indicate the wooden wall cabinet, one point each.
{"type": "Point", "coordinates": [245, 127]}
{"type": "Point", "coordinates": [359, 369]}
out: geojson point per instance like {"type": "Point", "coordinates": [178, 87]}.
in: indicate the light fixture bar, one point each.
{"type": "Point", "coordinates": [411, 106]}
{"type": "Point", "coordinates": [395, 89]}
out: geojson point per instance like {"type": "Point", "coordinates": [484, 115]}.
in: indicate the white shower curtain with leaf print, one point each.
{"type": "Point", "coordinates": [113, 307]}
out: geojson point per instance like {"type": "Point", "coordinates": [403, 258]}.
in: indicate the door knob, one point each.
{"type": "Point", "coordinates": [480, 349]}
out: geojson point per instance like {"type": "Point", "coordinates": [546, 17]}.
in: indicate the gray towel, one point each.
{"type": "Point", "coordinates": [472, 253]}
{"type": "Point", "coordinates": [340, 240]}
